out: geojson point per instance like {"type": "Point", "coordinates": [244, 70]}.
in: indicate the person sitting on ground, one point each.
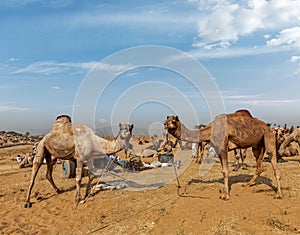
{"type": "Point", "coordinates": [28, 160]}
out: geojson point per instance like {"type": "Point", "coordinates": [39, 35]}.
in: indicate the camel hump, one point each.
{"type": "Point", "coordinates": [62, 125]}
{"type": "Point", "coordinates": [63, 118]}
{"type": "Point", "coordinates": [60, 140]}
{"type": "Point", "coordinates": [243, 112]}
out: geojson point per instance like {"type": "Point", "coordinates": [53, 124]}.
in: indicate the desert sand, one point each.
{"type": "Point", "coordinates": [194, 208]}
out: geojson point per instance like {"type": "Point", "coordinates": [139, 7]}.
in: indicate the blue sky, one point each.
{"type": "Point", "coordinates": [251, 49]}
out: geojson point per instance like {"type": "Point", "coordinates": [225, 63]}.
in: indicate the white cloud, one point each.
{"type": "Point", "coordinates": [265, 102]}
{"type": "Point", "coordinates": [49, 3]}
{"type": "Point", "coordinates": [289, 37]}
{"type": "Point", "coordinates": [222, 23]}
{"type": "Point", "coordinates": [294, 58]}
{"type": "Point", "coordinates": [51, 67]}
{"type": "Point", "coordinates": [112, 67]}
{"type": "Point", "coordinates": [13, 59]}
{"type": "Point", "coordinates": [12, 108]}
{"type": "Point", "coordinates": [267, 36]}
{"type": "Point", "coordinates": [55, 87]}
{"type": "Point", "coordinates": [230, 52]}
{"type": "Point", "coordinates": [256, 99]}
{"type": "Point", "coordinates": [239, 97]}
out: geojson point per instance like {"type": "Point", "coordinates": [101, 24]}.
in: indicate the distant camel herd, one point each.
{"type": "Point", "coordinates": [235, 131]}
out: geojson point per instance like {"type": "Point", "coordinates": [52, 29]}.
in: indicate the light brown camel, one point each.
{"type": "Point", "coordinates": [228, 132]}
{"type": "Point", "coordinates": [294, 136]}
{"type": "Point", "coordinates": [67, 141]}
{"type": "Point", "coordinates": [146, 150]}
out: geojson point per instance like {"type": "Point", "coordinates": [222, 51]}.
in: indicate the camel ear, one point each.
{"type": "Point", "coordinates": [177, 118]}
{"type": "Point", "coordinates": [167, 117]}
{"type": "Point", "coordinates": [131, 126]}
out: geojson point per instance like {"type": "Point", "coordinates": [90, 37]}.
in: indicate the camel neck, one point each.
{"type": "Point", "coordinates": [196, 136]}
{"type": "Point", "coordinates": [108, 146]}
{"type": "Point", "coordinates": [123, 143]}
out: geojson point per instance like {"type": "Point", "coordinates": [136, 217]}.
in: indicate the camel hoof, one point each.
{"type": "Point", "coordinates": [59, 191]}
{"type": "Point", "coordinates": [235, 169]}
{"type": "Point", "coordinates": [248, 184]}
{"type": "Point", "coordinates": [27, 205]}
{"type": "Point", "coordinates": [278, 196]}
{"type": "Point", "coordinates": [82, 201]}
{"type": "Point", "coordinates": [224, 197]}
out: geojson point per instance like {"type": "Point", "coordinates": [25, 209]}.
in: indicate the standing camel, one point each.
{"type": "Point", "coordinates": [66, 141]}
{"type": "Point", "coordinates": [228, 132]}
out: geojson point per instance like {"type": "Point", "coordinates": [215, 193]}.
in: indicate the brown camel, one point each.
{"type": "Point", "coordinates": [294, 136]}
{"type": "Point", "coordinates": [228, 132]}
{"type": "Point", "coordinates": [67, 141]}
{"type": "Point", "coordinates": [238, 152]}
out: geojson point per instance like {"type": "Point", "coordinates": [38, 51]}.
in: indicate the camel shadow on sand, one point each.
{"type": "Point", "coordinates": [50, 195]}
{"type": "Point", "coordinates": [241, 178]}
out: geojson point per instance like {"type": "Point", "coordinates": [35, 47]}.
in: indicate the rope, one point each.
{"type": "Point", "coordinates": [104, 172]}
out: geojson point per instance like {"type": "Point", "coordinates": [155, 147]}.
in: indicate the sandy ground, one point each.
{"type": "Point", "coordinates": [193, 209]}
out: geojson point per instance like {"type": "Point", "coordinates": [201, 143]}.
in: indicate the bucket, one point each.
{"type": "Point", "coordinates": [166, 158]}
{"type": "Point", "coordinates": [101, 162]}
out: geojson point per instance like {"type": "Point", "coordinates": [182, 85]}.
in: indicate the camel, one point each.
{"type": "Point", "coordinates": [146, 150]}
{"type": "Point", "coordinates": [125, 135]}
{"type": "Point", "coordinates": [294, 136]}
{"type": "Point", "coordinates": [228, 132]}
{"type": "Point", "coordinates": [201, 148]}
{"type": "Point", "coordinates": [290, 151]}
{"type": "Point", "coordinates": [67, 141]}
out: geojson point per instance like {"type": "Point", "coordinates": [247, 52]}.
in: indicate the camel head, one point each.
{"type": "Point", "coordinates": [125, 131]}
{"type": "Point", "coordinates": [172, 124]}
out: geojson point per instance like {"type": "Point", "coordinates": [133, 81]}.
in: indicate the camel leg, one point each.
{"type": "Point", "coordinates": [258, 152]}
{"type": "Point", "coordinates": [37, 162]}
{"type": "Point", "coordinates": [91, 176]}
{"type": "Point", "coordinates": [224, 162]}
{"type": "Point", "coordinates": [50, 163]}
{"type": "Point", "coordinates": [197, 153]}
{"type": "Point", "coordinates": [237, 155]}
{"type": "Point", "coordinates": [127, 154]}
{"type": "Point", "coordinates": [243, 157]}
{"type": "Point", "coordinates": [276, 173]}
{"type": "Point", "coordinates": [78, 178]}
{"type": "Point", "coordinates": [203, 150]}
{"type": "Point", "coordinates": [270, 142]}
